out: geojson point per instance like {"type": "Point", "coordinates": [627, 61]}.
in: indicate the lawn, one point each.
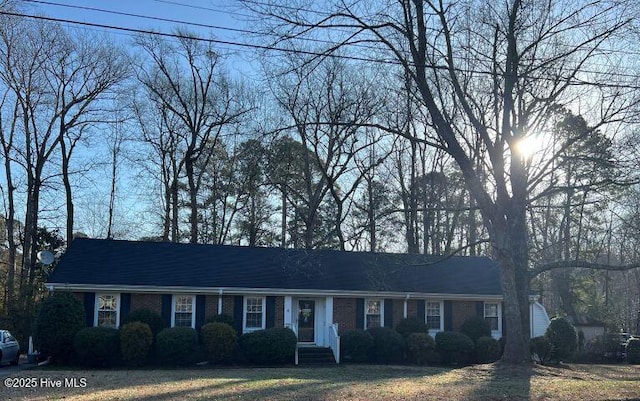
{"type": "Point", "coordinates": [345, 382]}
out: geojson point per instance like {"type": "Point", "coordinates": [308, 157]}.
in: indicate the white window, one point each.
{"type": "Point", "coordinates": [492, 314]}
{"type": "Point", "coordinates": [434, 318]}
{"type": "Point", "coordinates": [107, 310]}
{"type": "Point", "coordinates": [373, 313]}
{"type": "Point", "coordinates": [254, 314]}
{"type": "Point", "coordinates": [183, 311]}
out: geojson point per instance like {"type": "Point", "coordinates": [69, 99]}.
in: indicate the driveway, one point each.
{"type": "Point", "coordinates": [8, 370]}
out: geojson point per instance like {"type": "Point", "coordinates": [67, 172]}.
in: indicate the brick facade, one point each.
{"type": "Point", "coordinates": [344, 313]}
{"type": "Point", "coordinates": [211, 306]}
{"type": "Point", "coordinates": [227, 305]}
{"type": "Point", "coordinates": [152, 302]}
{"type": "Point", "coordinates": [461, 311]}
{"type": "Point", "coordinates": [412, 309]}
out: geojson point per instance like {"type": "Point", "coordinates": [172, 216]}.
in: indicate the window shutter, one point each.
{"type": "Point", "coordinates": [238, 312]}
{"type": "Point", "coordinates": [480, 308]}
{"type": "Point", "coordinates": [166, 309]}
{"type": "Point", "coordinates": [200, 311]}
{"type": "Point", "coordinates": [125, 306]}
{"type": "Point", "coordinates": [89, 307]}
{"type": "Point", "coordinates": [271, 312]}
{"type": "Point", "coordinates": [359, 313]}
{"type": "Point", "coordinates": [448, 316]}
{"type": "Point", "coordinates": [388, 313]}
{"type": "Point", "coordinates": [421, 310]}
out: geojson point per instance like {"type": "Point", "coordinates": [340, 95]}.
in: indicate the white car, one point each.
{"type": "Point", "coordinates": [9, 348]}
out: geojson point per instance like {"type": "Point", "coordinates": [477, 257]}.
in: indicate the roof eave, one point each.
{"type": "Point", "coordinates": [262, 291]}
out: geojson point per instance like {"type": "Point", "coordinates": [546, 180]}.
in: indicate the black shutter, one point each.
{"type": "Point", "coordinates": [421, 310]}
{"type": "Point", "coordinates": [448, 316]}
{"type": "Point", "coordinates": [89, 307]}
{"type": "Point", "coordinates": [238, 313]}
{"type": "Point", "coordinates": [359, 313]}
{"type": "Point", "coordinates": [271, 312]}
{"type": "Point", "coordinates": [388, 313]}
{"type": "Point", "coordinates": [125, 306]}
{"type": "Point", "coordinates": [166, 309]}
{"type": "Point", "coordinates": [480, 308]}
{"type": "Point", "coordinates": [200, 311]}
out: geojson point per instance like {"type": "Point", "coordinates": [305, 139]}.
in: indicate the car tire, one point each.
{"type": "Point", "coordinates": [16, 360]}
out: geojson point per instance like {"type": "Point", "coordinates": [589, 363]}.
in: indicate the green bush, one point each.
{"type": "Point", "coordinates": [222, 319]}
{"type": "Point", "coordinates": [97, 346]}
{"type": "Point", "coordinates": [59, 319]}
{"type": "Point", "coordinates": [176, 345]}
{"type": "Point", "coordinates": [454, 347]}
{"type": "Point", "coordinates": [563, 339]}
{"type": "Point", "coordinates": [220, 341]}
{"type": "Point", "coordinates": [152, 319]}
{"type": "Point", "coordinates": [476, 327]}
{"type": "Point", "coordinates": [355, 346]}
{"type": "Point", "coordinates": [388, 345]}
{"type": "Point", "coordinates": [411, 325]}
{"type": "Point", "coordinates": [136, 339]}
{"type": "Point", "coordinates": [487, 350]}
{"type": "Point", "coordinates": [421, 349]}
{"type": "Point", "coordinates": [541, 347]}
{"type": "Point", "coordinates": [271, 346]}
{"type": "Point", "coordinates": [633, 351]}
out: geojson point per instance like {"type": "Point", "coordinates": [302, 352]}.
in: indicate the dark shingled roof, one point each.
{"type": "Point", "coordinates": [111, 262]}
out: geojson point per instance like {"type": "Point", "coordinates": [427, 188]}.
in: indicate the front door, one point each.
{"type": "Point", "coordinates": [306, 320]}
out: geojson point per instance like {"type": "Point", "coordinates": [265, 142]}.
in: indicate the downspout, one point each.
{"type": "Point", "coordinates": [220, 302]}
{"type": "Point", "coordinates": [406, 311]}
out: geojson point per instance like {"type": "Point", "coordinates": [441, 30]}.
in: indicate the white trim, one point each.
{"type": "Point", "coordinates": [366, 301]}
{"type": "Point", "coordinates": [267, 291]}
{"type": "Point", "coordinates": [96, 305]}
{"type": "Point", "coordinates": [246, 329]}
{"type": "Point", "coordinates": [288, 311]}
{"type": "Point", "coordinates": [193, 309]}
{"type": "Point", "coordinates": [433, 332]}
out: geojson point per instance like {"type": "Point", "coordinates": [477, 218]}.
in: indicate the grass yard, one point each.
{"type": "Point", "coordinates": [345, 382]}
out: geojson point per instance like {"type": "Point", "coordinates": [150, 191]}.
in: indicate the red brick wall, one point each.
{"type": "Point", "coordinates": [398, 311]}
{"type": "Point", "coordinates": [210, 306]}
{"type": "Point", "coordinates": [152, 302]}
{"type": "Point", "coordinates": [344, 313]}
{"type": "Point", "coordinates": [461, 311]}
{"type": "Point", "coordinates": [412, 309]}
{"type": "Point", "coordinates": [279, 312]}
{"type": "Point", "coordinates": [227, 305]}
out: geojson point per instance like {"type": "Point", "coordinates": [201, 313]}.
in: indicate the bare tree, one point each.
{"type": "Point", "coordinates": [186, 80]}
{"type": "Point", "coordinates": [487, 72]}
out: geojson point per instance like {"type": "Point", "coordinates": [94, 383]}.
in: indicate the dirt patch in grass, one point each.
{"type": "Point", "coordinates": [345, 382]}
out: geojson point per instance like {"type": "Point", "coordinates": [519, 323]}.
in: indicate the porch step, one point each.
{"type": "Point", "coordinates": [315, 356]}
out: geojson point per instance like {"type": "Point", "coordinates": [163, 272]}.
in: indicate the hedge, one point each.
{"type": "Point", "coordinates": [421, 349]}
{"type": "Point", "coordinates": [388, 345]}
{"type": "Point", "coordinates": [411, 325]}
{"type": "Point", "coordinates": [176, 345]}
{"type": "Point", "coordinates": [220, 341]}
{"type": "Point", "coordinates": [454, 347]}
{"type": "Point", "coordinates": [487, 350]}
{"type": "Point", "coordinates": [271, 346]}
{"type": "Point", "coordinates": [60, 318]}
{"type": "Point", "coordinates": [97, 346]}
{"type": "Point", "coordinates": [136, 339]}
{"type": "Point", "coordinates": [355, 346]}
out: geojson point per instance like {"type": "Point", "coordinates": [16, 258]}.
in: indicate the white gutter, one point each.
{"type": "Point", "coordinates": [264, 291]}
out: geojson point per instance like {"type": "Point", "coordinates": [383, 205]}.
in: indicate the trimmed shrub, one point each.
{"type": "Point", "coordinates": [355, 346]}
{"type": "Point", "coordinates": [487, 350]}
{"type": "Point", "coordinates": [222, 319]}
{"type": "Point", "coordinates": [421, 349]}
{"type": "Point", "coordinates": [97, 346]}
{"type": "Point", "coordinates": [411, 325]}
{"type": "Point", "coordinates": [176, 345]}
{"type": "Point", "coordinates": [633, 351]}
{"type": "Point", "coordinates": [388, 345]}
{"type": "Point", "coordinates": [563, 339]}
{"type": "Point", "coordinates": [60, 318]}
{"type": "Point", "coordinates": [454, 347]}
{"type": "Point", "coordinates": [136, 339]}
{"type": "Point", "coordinates": [476, 327]}
{"type": "Point", "coordinates": [541, 347]}
{"type": "Point", "coordinates": [220, 341]}
{"type": "Point", "coordinates": [271, 346]}
{"type": "Point", "coordinates": [152, 319]}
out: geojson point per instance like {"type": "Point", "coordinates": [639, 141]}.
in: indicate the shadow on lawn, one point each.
{"type": "Point", "coordinates": [503, 381]}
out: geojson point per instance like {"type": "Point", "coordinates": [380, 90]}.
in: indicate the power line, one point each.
{"type": "Point", "coordinates": [299, 51]}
